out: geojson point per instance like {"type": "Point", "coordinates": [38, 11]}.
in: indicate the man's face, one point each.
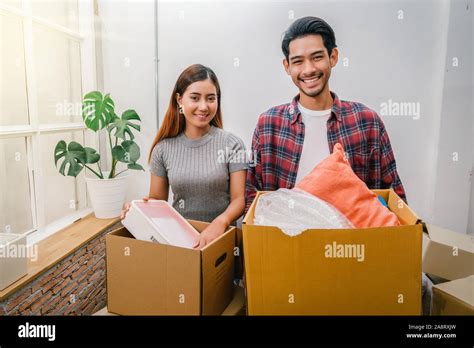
{"type": "Point", "coordinates": [309, 64]}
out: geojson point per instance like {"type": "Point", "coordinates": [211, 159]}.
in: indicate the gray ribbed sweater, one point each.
{"type": "Point", "coordinates": [198, 171]}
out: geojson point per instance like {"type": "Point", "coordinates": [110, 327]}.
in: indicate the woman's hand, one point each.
{"type": "Point", "coordinates": [126, 208]}
{"type": "Point", "coordinates": [211, 232]}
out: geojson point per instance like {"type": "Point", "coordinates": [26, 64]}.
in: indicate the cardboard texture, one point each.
{"type": "Point", "coordinates": [145, 278]}
{"type": "Point", "coordinates": [239, 257]}
{"type": "Point", "coordinates": [447, 254]}
{"type": "Point", "coordinates": [369, 271]}
{"type": "Point", "coordinates": [236, 307]}
{"type": "Point", "coordinates": [448, 258]}
{"type": "Point", "coordinates": [454, 298]}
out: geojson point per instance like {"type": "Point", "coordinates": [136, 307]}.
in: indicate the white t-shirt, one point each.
{"type": "Point", "coordinates": [315, 146]}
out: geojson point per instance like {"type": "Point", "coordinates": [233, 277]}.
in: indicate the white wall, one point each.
{"type": "Point", "coordinates": [470, 225]}
{"type": "Point", "coordinates": [456, 136]}
{"type": "Point", "coordinates": [128, 53]}
{"type": "Point", "coordinates": [389, 58]}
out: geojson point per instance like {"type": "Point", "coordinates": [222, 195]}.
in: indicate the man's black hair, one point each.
{"type": "Point", "coordinates": [309, 26]}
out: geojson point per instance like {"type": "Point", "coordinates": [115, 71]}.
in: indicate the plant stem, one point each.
{"type": "Point", "coordinates": [93, 171]}
{"type": "Point", "coordinates": [100, 170]}
{"type": "Point", "coordinates": [114, 163]}
{"type": "Point", "coordinates": [110, 139]}
{"type": "Point", "coordinates": [112, 169]}
{"type": "Point", "coordinates": [120, 172]}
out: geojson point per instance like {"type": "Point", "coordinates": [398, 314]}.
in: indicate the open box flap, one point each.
{"type": "Point", "coordinates": [444, 236]}
{"type": "Point", "coordinates": [462, 289]}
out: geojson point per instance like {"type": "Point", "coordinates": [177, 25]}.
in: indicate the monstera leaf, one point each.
{"type": "Point", "coordinates": [97, 110]}
{"type": "Point", "coordinates": [91, 155]}
{"type": "Point", "coordinates": [128, 152]}
{"type": "Point", "coordinates": [122, 125]}
{"type": "Point", "coordinates": [75, 157]}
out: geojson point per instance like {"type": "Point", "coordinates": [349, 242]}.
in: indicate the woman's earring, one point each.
{"type": "Point", "coordinates": [181, 110]}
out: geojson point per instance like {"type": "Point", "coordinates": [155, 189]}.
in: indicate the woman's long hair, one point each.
{"type": "Point", "coordinates": [174, 122]}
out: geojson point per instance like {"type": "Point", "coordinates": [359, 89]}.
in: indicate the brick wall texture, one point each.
{"type": "Point", "coordinates": [74, 286]}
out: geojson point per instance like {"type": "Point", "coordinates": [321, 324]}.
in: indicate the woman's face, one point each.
{"type": "Point", "coordinates": [199, 103]}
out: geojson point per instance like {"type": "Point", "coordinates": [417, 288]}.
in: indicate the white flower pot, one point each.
{"type": "Point", "coordinates": [107, 195]}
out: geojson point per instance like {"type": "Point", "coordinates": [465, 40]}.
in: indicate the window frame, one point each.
{"type": "Point", "coordinates": [32, 132]}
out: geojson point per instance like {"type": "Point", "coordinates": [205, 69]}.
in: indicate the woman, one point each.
{"type": "Point", "coordinates": [204, 165]}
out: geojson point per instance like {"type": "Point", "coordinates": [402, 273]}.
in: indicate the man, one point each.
{"type": "Point", "coordinates": [290, 139]}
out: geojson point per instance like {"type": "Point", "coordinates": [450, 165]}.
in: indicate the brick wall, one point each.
{"type": "Point", "coordinates": [74, 286]}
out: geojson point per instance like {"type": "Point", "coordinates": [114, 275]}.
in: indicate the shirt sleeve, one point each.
{"type": "Point", "coordinates": [237, 159]}
{"type": "Point", "coordinates": [254, 173]}
{"type": "Point", "coordinates": [388, 166]}
{"type": "Point", "coordinates": [157, 166]}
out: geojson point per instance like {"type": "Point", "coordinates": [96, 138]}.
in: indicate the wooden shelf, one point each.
{"type": "Point", "coordinates": [58, 246]}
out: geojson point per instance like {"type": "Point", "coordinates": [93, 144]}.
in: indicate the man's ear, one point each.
{"type": "Point", "coordinates": [286, 65]}
{"type": "Point", "coordinates": [334, 57]}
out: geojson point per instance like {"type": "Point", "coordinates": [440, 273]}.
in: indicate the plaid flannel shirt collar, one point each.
{"type": "Point", "coordinates": [293, 112]}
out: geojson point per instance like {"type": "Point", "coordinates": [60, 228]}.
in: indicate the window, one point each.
{"type": "Point", "coordinates": [46, 65]}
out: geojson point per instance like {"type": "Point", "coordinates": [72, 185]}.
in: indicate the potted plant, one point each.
{"type": "Point", "coordinates": [106, 188]}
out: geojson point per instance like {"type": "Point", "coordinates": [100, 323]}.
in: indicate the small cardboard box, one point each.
{"type": "Point", "coordinates": [447, 254]}
{"type": "Point", "coordinates": [146, 278]}
{"type": "Point", "coordinates": [293, 276]}
{"type": "Point", "coordinates": [454, 298]}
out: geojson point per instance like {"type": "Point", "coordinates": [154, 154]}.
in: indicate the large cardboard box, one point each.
{"type": "Point", "coordinates": [454, 298]}
{"type": "Point", "coordinates": [145, 278]}
{"type": "Point", "coordinates": [292, 275]}
{"type": "Point", "coordinates": [447, 254]}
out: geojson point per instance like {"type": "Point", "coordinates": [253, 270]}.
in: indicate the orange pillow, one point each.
{"type": "Point", "coordinates": [334, 181]}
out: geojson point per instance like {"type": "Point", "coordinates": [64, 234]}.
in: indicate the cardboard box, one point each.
{"type": "Point", "coordinates": [145, 278]}
{"type": "Point", "coordinates": [292, 275]}
{"type": "Point", "coordinates": [236, 307]}
{"type": "Point", "coordinates": [448, 258]}
{"type": "Point", "coordinates": [454, 298]}
{"type": "Point", "coordinates": [239, 255]}
{"type": "Point", "coordinates": [447, 254]}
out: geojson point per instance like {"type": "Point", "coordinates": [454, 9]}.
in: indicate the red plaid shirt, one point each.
{"type": "Point", "coordinates": [278, 141]}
